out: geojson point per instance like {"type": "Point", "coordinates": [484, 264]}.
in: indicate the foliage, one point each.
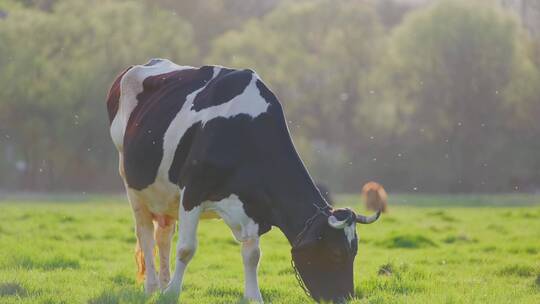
{"type": "Point", "coordinates": [443, 97]}
{"type": "Point", "coordinates": [212, 18]}
{"type": "Point", "coordinates": [56, 79]}
{"type": "Point", "coordinates": [459, 75]}
{"type": "Point", "coordinates": [81, 251]}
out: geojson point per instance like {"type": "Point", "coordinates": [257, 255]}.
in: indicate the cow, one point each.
{"type": "Point", "coordinates": [211, 141]}
{"type": "Point", "coordinates": [375, 197]}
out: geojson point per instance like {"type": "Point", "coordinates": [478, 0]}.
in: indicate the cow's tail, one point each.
{"type": "Point", "coordinates": [139, 259]}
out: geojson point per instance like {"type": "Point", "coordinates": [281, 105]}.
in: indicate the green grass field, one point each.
{"type": "Point", "coordinates": [428, 249]}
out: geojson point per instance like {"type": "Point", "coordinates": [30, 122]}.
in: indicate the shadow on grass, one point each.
{"type": "Point", "coordinates": [123, 295]}
{"type": "Point", "coordinates": [85, 237]}
{"type": "Point", "coordinates": [443, 216]}
{"type": "Point", "coordinates": [286, 271]}
{"type": "Point", "coordinates": [530, 215]}
{"type": "Point", "coordinates": [132, 295]}
{"type": "Point", "coordinates": [497, 228]}
{"type": "Point", "coordinates": [391, 279]}
{"type": "Point", "coordinates": [460, 238]}
{"type": "Point", "coordinates": [489, 248]}
{"type": "Point", "coordinates": [408, 241]}
{"type": "Point", "coordinates": [63, 218]}
{"type": "Point", "coordinates": [57, 262]}
{"type": "Point", "coordinates": [12, 289]}
{"type": "Point", "coordinates": [224, 291]}
{"type": "Point", "coordinates": [271, 295]}
{"type": "Point", "coordinates": [527, 250]}
{"type": "Point", "coordinates": [441, 228]}
{"type": "Point", "coordinates": [121, 279]}
{"type": "Point", "coordinates": [517, 270]}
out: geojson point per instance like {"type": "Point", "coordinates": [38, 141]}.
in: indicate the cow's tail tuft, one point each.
{"type": "Point", "coordinates": [139, 260]}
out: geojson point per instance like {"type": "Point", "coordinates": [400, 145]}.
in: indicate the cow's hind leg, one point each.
{"type": "Point", "coordinates": [185, 249]}
{"type": "Point", "coordinates": [144, 228]}
{"type": "Point", "coordinates": [164, 233]}
{"type": "Point", "coordinates": [251, 254]}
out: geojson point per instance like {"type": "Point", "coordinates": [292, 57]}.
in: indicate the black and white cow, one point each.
{"type": "Point", "coordinates": [212, 141]}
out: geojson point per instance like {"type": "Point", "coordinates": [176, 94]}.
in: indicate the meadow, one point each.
{"type": "Point", "coordinates": [427, 249]}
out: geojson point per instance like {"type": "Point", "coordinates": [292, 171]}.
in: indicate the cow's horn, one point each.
{"type": "Point", "coordinates": [335, 223]}
{"type": "Point", "coordinates": [362, 219]}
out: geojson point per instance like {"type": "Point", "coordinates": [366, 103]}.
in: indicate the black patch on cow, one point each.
{"type": "Point", "coordinates": [224, 87]}
{"type": "Point", "coordinates": [162, 98]}
{"type": "Point", "coordinates": [267, 94]}
{"type": "Point", "coordinates": [222, 160]}
{"type": "Point", "coordinates": [182, 151]}
{"type": "Point", "coordinates": [214, 155]}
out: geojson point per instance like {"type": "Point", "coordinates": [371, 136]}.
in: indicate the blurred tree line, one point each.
{"type": "Point", "coordinates": [442, 98]}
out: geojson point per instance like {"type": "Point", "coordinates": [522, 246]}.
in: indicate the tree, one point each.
{"type": "Point", "coordinates": [56, 71]}
{"type": "Point", "coordinates": [211, 18]}
{"type": "Point", "coordinates": [453, 69]}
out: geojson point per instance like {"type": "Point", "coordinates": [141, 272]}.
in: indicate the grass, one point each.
{"type": "Point", "coordinates": [428, 249]}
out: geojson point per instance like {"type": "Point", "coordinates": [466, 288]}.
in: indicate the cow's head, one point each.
{"type": "Point", "coordinates": [324, 253]}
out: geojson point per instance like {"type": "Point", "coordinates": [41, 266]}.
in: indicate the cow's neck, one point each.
{"type": "Point", "coordinates": [289, 191]}
{"type": "Point", "coordinates": [294, 200]}
{"type": "Point", "coordinates": [293, 219]}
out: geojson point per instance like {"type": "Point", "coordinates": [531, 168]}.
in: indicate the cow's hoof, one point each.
{"type": "Point", "coordinates": [168, 297]}
{"type": "Point", "coordinates": [150, 287]}
{"type": "Point", "coordinates": [254, 298]}
{"type": "Point", "coordinates": [171, 292]}
{"type": "Point", "coordinates": [163, 284]}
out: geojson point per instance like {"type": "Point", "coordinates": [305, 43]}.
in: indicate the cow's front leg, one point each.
{"type": "Point", "coordinates": [144, 228]}
{"type": "Point", "coordinates": [251, 254]}
{"type": "Point", "coordinates": [185, 249]}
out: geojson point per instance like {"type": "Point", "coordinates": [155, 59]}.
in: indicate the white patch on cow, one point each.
{"type": "Point", "coordinates": [249, 102]}
{"type": "Point", "coordinates": [350, 232]}
{"type": "Point", "coordinates": [231, 210]}
{"type": "Point", "coordinates": [131, 85]}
